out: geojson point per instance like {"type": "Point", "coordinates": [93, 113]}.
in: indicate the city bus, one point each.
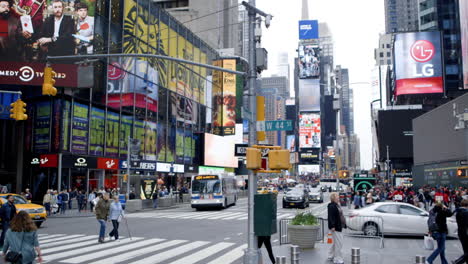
{"type": "Point", "coordinates": [213, 190]}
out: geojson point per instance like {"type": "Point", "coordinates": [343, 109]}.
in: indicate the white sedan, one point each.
{"type": "Point", "coordinates": [393, 218]}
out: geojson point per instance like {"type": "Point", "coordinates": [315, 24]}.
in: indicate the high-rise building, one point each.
{"type": "Point", "coordinates": [342, 82]}
{"type": "Point", "coordinates": [401, 16]}
{"type": "Point", "coordinates": [443, 15]}
{"type": "Point", "coordinates": [383, 54]}
{"type": "Point", "coordinates": [282, 68]}
{"type": "Point", "coordinates": [243, 32]}
{"type": "Point", "coordinates": [215, 21]}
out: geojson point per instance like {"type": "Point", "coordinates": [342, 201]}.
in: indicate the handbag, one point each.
{"type": "Point", "coordinates": [428, 243]}
{"type": "Point", "coordinates": [13, 256]}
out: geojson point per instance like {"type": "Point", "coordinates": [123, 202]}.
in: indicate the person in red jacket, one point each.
{"type": "Point", "coordinates": [398, 195]}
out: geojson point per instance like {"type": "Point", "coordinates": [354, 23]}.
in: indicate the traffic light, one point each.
{"type": "Point", "coordinates": [342, 174]}
{"type": "Point", "coordinates": [18, 110]}
{"type": "Point", "coordinates": [49, 82]}
{"type": "Point", "coordinates": [461, 172]}
{"type": "Point", "coordinates": [125, 177]}
{"type": "Point", "coordinates": [279, 159]}
{"type": "Point", "coordinates": [254, 159]}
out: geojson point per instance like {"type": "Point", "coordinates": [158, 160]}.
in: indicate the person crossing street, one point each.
{"type": "Point", "coordinates": [116, 213]}
{"type": "Point", "coordinates": [102, 214]}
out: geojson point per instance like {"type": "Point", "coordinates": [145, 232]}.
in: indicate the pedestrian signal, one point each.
{"type": "Point", "coordinates": [49, 82]}
{"type": "Point", "coordinates": [18, 110]}
{"type": "Point", "coordinates": [279, 159]}
{"type": "Point", "coordinates": [254, 159]}
{"type": "Point", "coordinates": [461, 172]}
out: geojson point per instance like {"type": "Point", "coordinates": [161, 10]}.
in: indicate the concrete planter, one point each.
{"type": "Point", "coordinates": [303, 236]}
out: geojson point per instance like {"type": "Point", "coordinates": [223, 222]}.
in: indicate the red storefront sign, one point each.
{"type": "Point", "coordinates": [108, 164]}
{"type": "Point", "coordinates": [131, 99]}
{"type": "Point", "coordinates": [23, 73]}
{"type": "Point", "coordinates": [48, 161]}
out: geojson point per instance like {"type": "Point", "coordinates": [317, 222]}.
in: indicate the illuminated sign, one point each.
{"type": "Point", "coordinates": [206, 177]}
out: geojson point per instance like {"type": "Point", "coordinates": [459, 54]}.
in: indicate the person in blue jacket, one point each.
{"type": "Point", "coordinates": [7, 212]}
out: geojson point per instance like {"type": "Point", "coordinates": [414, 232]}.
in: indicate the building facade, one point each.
{"type": "Point", "coordinates": [401, 16]}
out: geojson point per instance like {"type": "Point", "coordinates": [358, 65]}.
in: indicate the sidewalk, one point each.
{"type": "Point", "coordinates": [396, 250]}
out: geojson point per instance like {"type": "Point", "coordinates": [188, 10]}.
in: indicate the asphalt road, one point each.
{"type": "Point", "coordinates": [180, 235]}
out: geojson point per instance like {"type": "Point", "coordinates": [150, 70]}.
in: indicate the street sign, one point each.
{"type": "Point", "coordinates": [275, 125]}
{"type": "Point", "coordinates": [240, 150]}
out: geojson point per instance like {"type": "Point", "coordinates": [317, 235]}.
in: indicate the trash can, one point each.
{"type": "Point", "coordinates": [265, 214]}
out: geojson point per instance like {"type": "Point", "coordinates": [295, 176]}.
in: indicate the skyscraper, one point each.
{"type": "Point", "coordinates": [401, 16]}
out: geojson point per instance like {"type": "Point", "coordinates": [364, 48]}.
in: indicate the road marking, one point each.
{"type": "Point", "coordinates": [52, 244]}
{"type": "Point", "coordinates": [227, 238]}
{"type": "Point", "coordinates": [162, 257]}
{"type": "Point", "coordinates": [240, 234]}
{"type": "Point", "coordinates": [139, 252]}
{"type": "Point", "coordinates": [84, 250]}
{"type": "Point", "coordinates": [202, 254]}
{"type": "Point", "coordinates": [204, 215]}
{"type": "Point", "coordinates": [231, 256]}
{"type": "Point", "coordinates": [236, 215]}
{"type": "Point", "coordinates": [51, 236]}
{"type": "Point", "coordinates": [222, 215]}
{"type": "Point", "coordinates": [44, 241]}
{"type": "Point", "coordinates": [115, 250]}
{"type": "Point", "coordinates": [276, 240]}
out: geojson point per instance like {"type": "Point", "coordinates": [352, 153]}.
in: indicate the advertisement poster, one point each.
{"type": "Point", "coordinates": [464, 39]}
{"type": "Point", "coordinates": [125, 132]}
{"type": "Point", "coordinates": [162, 142]}
{"type": "Point", "coordinates": [80, 129]}
{"type": "Point", "coordinates": [150, 140]}
{"type": "Point", "coordinates": [189, 147]}
{"type": "Point", "coordinates": [184, 110]}
{"type": "Point", "coordinates": [112, 135]}
{"type": "Point", "coordinates": [171, 144]}
{"type": "Point", "coordinates": [224, 99]}
{"type": "Point", "coordinates": [139, 134]}
{"type": "Point", "coordinates": [309, 131]}
{"type": "Point", "coordinates": [147, 188]}
{"type": "Point", "coordinates": [42, 127]}
{"type": "Point", "coordinates": [291, 143]}
{"type": "Point", "coordinates": [309, 89]}
{"type": "Point", "coordinates": [309, 62]}
{"type": "Point", "coordinates": [180, 146]}
{"type": "Point", "coordinates": [418, 63]}
{"type": "Point", "coordinates": [96, 144]}
{"type": "Point", "coordinates": [308, 29]}
{"type": "Point", "coordinates": [66, 118]}
{"type": "Point", "coordinates": [27, 47]}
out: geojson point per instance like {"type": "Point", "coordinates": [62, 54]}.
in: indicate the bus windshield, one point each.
{"type": "Point", "coordinates": [206, 186]}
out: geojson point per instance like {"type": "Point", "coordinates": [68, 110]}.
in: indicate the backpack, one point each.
{"type": "Point", "coordinates": [431, 222]}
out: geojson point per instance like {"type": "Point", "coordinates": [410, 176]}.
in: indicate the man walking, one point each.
{"type": "Point", "coordinates": [336, 222]}
{"type": "Point", "coordinates": [102, 213]}
{"type": "Point", "coordinates": [71, 196]}
{"type": "Point", "coordinates": [91, 197]}
{"type": "Point", "coordinates": [46, 201]}
{"type": "Point", "coordinates": [462, 223]}
{"type": "Point", "coordinates": [7, 212]}
{"type": "Point", "coordinates": [437, 224]}
{"type": "Point", "coordinates": [63, 198]}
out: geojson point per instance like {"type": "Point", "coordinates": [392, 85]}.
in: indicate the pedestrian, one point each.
{"type": "Point", "coordinates": [267, 241]}
{"type": "Point", "coordinates": [357, 200]}
{"type": "Point", "coordinates": [91, 197]}
{"type": "Point", "coordinates": [155, 199]}
{"type": "Point", "coordinates": [80, 198]}
{"type": "Point", "coordinates": [102, 213]}
{"type": "Point", "coordinates": [336, 223]}
{"type": "Point", "coordinates": [54, 203]}
{"type": "Point", "coordinates": [23, 239]}
{"type": "Point", "coordinates": [63, 198]}
{"type": "Point", "coordinates": [71, 196]}
{"type": "Point", "coordinates": [181, 195]}
{"type": "Point", "coordinates": [420, 199]}
{"type": "Point", "coordinates": [28, 195]}
{"type": "Point", "coordinates": [7, 212]}
{"type": "Point", "coordinates": [462, 223]}
{"type": "Point", "coordinates": [437, 225]}
{"type": "Point", "coordinates": [370, 198]}
{"type": "Point", "coordinates": [116, 213]}
{"type": "Point", "coordinates": [46, 202]}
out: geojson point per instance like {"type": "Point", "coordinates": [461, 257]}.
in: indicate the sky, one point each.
{"type": "Point", "coordinates": [355, 27]}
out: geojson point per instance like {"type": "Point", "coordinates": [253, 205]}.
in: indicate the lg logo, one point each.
{"type": "Point", "coordinates": [26, 74]}
{"type": "Point", "coordinates": [422, 51]}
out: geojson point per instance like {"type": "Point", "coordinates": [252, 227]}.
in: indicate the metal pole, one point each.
{"type": "Point", "coordinates": [128, 168]}
{"type": "Point", "coordinates": [59, 172]}
{"type": "Point", "coordinates": [388, 165]}
{"type": "Point", "coordinates": [420, 259]}
{"type": "Point", "coordinates": [355, 255]}
{"type": "Point", "coordinates": [251, 253]}
{"type": "Point", "coordinates": [295, 254]}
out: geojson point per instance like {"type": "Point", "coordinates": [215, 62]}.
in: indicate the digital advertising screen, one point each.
{"type": "Point", "coordinates": [309, 91]}
{"type": "Point", "coordinates": [309, 130]}
{"type": "Point", "coordinates": [309, 62]}
{"type": "Point", "coordinates": [418, 63]}
{"type": "Point", "coordinates": [308, 29]}
{"type": "Point", "coordinates": [219, 151]}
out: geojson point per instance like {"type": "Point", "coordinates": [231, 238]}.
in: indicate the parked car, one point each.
{"type": "Point", "coordinates": [37, 212]}
{"type": "Point", "coordinates": [316, 196]}
{"type": "Point", "coordinates": [323, 188]}
{"type": "Point", "coordinates": [393, 218]}
{"type": "Point", "coordinates": [262, 190]}
{"type": "Point", "coordinates": [297, 197]}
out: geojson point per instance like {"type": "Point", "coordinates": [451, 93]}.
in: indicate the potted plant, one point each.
{"type": "Point", "coordinates": [303, 230]}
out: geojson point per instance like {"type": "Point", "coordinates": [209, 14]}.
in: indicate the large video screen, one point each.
{"type": "Point", "coordinates": [309, 131]}
{"type": "Point", "coordinates": [309, 62]}
{"type": "Point", "coordinates": [464, 39]}
{"type": "Point", "coordinates": [309, 95]}
{"type": "Point", "coordinates": [219, 151]}
{"type": "Point", "coordinates": [418, 63]}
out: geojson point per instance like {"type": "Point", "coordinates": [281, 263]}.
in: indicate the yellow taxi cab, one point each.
{"type": "Point", "coordinates": [37, 212]}
{"type": "Point", "coordinates": [262, 190]}
{"type": "Point", "coordinates": [273, 190]}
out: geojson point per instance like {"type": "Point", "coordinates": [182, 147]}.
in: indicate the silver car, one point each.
{"type": "Point", "coordinates": [393, 218]}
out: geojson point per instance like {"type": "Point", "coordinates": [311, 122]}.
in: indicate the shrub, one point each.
{"type": "Point", "coordinates": [304, 219]}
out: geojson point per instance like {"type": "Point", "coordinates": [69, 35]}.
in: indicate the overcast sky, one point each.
{"type": "Point", "coordinates": [355, 26]}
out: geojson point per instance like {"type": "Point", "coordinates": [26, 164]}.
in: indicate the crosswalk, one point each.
{"type": "Point", "coordinates": [195, 215]}
{"type": "Point", "coordinates": [75, 249]}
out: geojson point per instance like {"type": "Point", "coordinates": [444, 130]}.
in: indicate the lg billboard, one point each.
{"type": "Point", "coordinates": [418, 63]}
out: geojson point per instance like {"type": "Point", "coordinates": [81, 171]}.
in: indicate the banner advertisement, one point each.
{"type": "Point", "coordinates": [148, 186]}
{"type": "Point", "coordinates": [309, 156]}
{"type": "Point", "coordinates": [150, 140]}
{"type": "Point", "coordinates": [184, 109]}
{"type": "Point", "coordinates": [96, 144]}
{"type": "Point", "coordinates": [308, 29]}
{"type": "Point", "coordinates": [189, 147]}
{"type": "Point", "coordinates": [180, 145]}
{"type": "Point", "coordinates": [125, 133]}
{"type": "Point", "coordinates": [5, 100]}
{"type": "Point", "coordinates": [224, 99]}
{"type": "Point", "coordinates": [30, 38]}
{"type": "Point", "coordinates": [464, 39]}
{"type": "Point", "coordinates": [112, 135]}
{"type": "Point", "coordinates": [309, 62]}
{"type": "Point", "coordinates": [309, 131]}
{"type": "Point", "coordinates": [162, 149]}
{"type": "Point", "coordinates": [171, 141]}
{"type": "Point", "coordinates": [418, 63]}
{"type": "Point", "coordinates": [291, 143]}
{"type": "Point", "coordinates": [66, 119]}
{"type": "Point", "coordinates": [42, 127]}
{"type": "Point", "coordinates": [139, 134]}
{"type": "Point", "coordinates": [80, 129]}
{"type": "Point", "coordinates": [309, 89]}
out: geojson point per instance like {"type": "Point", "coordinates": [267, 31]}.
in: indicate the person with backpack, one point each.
{"type": "Point", "coordinates": [462, 223]}
{"type": "Point", "coordinates": [437, 224]}
{"type": "Point", "coordinates": [63, 198]}
{"type": "Point", "coordinates": [155, 198]}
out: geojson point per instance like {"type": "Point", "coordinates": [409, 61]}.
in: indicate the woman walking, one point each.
{"type": "Point", "coordinates": [438, 230]}
{"type": "Point", "coordinates": [22, 238]}
{"type": "Point", "coordinates": [116, 213]}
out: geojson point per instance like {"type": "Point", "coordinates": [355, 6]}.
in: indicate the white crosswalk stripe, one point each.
{"type": "Point", "coordinates": [79, 248]}
{"type": "Point", "coordinates": [219, 215]}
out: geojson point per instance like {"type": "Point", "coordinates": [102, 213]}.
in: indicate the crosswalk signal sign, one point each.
{"type": "Point", "coordinates": [49, 82]}
{"type": "Point", "coordinates": [279, 159]}
{"type": "Point", "coordinates": [461, 172]}
{"type": "Point", "coordinates": [254, 159]}
{"type": "Point", "coordinates": [18, 110]}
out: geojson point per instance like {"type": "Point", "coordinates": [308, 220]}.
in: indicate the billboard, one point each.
{"type": "Point", "coordinates": [309, 95]}
{"type": "Point", "coordinates": [418, 63]}
{"type": "Point", "coordinates": [80, 128]}
{"type": "Point", "coordinates": [309, 156]}
{"type": "Point", "coordinates": [219, 151]}
{"type": "Point", "coordinates": [464, 39]}
{"type": "Point", "coordinates": [30, 37]}
{"type": "Point", "coordinates": [309, 61]}
{"type": "Point", "coordinates": [291, 143]}
{"type": "Point", "coordinates": [224, 98]}
{"type": "Point", "coordinates": [309, 131]}
{"type": "Point", "coordinates": [308, 29]}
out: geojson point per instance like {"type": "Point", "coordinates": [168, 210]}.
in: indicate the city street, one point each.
{"type": "Point", "coordinates": [181, 235]}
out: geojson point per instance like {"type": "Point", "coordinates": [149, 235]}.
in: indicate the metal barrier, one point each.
{"type": "Point", "coordinates": [281, 260]}
{"type": "Point", "coordinates": [420, 259]}
{"type": "Point", "coordinates": [358, 226]}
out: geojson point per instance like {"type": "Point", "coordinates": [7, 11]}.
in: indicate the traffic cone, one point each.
{"type": "Point", "coordinates": [329, 238]}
